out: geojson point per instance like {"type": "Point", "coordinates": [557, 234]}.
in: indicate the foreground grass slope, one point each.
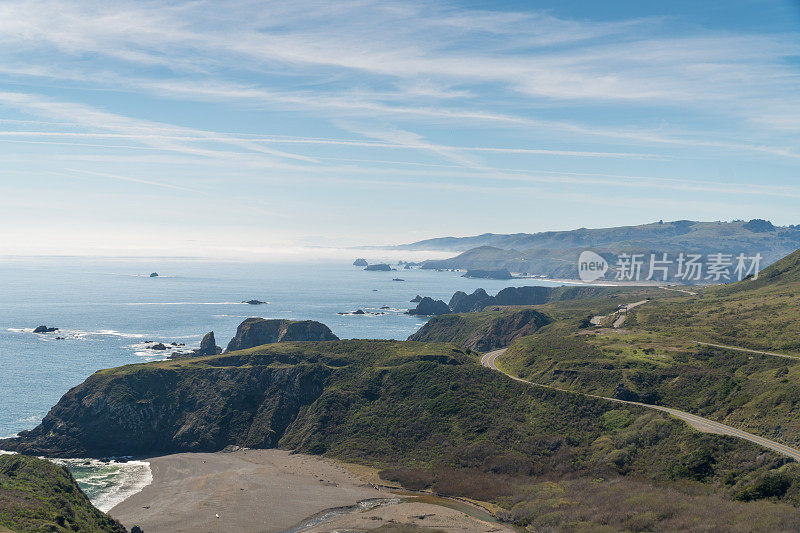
{"type": "Point", "coordinates": [37, 495]}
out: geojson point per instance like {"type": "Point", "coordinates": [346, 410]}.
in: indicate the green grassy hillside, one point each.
{"type": "Point", "coordinates": [37, 495]}
{"type": "Point", "coordinates": [657, 356]}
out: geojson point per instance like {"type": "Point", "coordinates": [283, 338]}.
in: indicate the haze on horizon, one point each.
{"type": "Point", "coordinates": [261, 128]}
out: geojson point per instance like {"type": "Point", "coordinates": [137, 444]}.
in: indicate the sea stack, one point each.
{"type": "Point", "coordinates": [208, 346]}
{"type": "Point", "coordinates": [360, 262]}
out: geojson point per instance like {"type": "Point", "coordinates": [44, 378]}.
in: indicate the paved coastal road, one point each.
{"type": "Point", "coordinates": [699, 423]}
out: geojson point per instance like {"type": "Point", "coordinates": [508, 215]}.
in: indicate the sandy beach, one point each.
{"type": "Point", "coordinates": [272, 490]}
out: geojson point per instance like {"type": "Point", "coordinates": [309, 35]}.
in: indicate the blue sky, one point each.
{"type": "Point", "coordinates": [255, 128]}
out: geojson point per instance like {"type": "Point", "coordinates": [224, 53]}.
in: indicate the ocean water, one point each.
{"type": "Point", "coordinates": [107, 309]}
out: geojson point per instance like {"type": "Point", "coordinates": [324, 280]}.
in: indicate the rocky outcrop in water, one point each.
{"type": "Point", "coordinates": [379, 267]}
{"type": "Point", "coordinates": [44, 329]}
{"type": "Point", "coordinates": [257, 331]}
{"type": "Point", "coordinates": [462, 302]}
{"type": "Point", "coordinates": [208, 346]}
{"type": "Point", "coordinates": [360, 262]}
{"type": "Point", "coordinates": [429, 307]}
{"type": "Point", "coordinates": [154, 275]}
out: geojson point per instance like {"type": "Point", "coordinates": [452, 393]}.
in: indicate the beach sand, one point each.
{"type": "Point", "coordinates": [268, 490]}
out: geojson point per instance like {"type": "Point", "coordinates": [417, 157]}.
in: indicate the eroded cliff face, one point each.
{"type": "Point", "coordinates": [183, 408]}
{"type": "Point", "coordinates": [258, 331]}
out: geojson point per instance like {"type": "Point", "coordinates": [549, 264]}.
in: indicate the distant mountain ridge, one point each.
{"type": "Point", "coordinates": [555, 253]}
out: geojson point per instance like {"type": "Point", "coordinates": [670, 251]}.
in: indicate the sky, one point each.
{"type": "Point", "coordinates": [267, 129]}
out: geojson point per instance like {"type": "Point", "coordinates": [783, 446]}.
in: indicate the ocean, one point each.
{"type": "Point", "coordinates": [106, 310]}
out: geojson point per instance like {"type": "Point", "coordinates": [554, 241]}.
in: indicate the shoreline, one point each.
{"type": "Point", "coordinates": [277, 490]}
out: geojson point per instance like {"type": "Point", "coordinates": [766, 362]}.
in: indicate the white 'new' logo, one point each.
{"type": "Point", "coordinates": [591, 266]}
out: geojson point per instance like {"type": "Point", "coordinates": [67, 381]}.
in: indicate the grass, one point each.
{"type": "Point", "coordinates": [37, 495]}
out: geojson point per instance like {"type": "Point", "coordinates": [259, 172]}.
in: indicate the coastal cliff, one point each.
{"type": "Point", "coordinates": [177, 407]}
{"type": "Point", "coordinates": [246, 398]}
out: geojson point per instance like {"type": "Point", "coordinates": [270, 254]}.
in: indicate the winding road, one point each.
{"type": "Point", "coordinates": [699, 423]}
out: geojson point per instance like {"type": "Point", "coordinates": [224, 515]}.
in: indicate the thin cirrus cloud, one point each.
{"type": "Point", "coordinates": [347, 97]}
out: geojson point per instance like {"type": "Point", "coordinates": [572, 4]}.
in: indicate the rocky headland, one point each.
{"type": "Point", "coordinates": [258, 331]}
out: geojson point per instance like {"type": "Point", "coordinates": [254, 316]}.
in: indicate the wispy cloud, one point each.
{"type": "Point", "coordinates": [154, 134]}
{"type": "Point", "coordinates": [306, 105]}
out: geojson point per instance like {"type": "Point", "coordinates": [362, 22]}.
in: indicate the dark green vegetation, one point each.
{"type": "Point", "coordinates": [37, 495]}
{"type": "Point", "coordinates": [555, 253]}
{"type": "Point", "coordinates": [430, 416]}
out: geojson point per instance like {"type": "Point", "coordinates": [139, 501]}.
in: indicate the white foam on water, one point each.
{"type": "Point", "coordinates": [79, 334]}
{"type": "Point", "coordinates": [109, 483]}
{"type": "Point", "coordinates": [106, 333]}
